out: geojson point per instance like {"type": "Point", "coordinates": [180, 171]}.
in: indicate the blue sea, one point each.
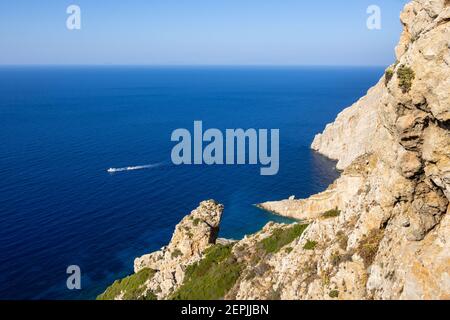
{"type": "Point", "coordinates": [61, 128]}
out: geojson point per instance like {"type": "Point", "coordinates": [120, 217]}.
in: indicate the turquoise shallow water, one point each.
{"type": "Point", "coordinates": [61, 128]}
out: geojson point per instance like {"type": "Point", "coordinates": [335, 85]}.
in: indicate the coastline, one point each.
{"type": "Point", "coordinates": [380, 231]}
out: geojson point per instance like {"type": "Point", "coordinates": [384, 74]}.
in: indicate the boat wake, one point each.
{"type": "Point", "coordinates": [147, 166]}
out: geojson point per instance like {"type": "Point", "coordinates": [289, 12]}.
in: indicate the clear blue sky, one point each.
{"type": "Point", "coordinates": [191, 32]}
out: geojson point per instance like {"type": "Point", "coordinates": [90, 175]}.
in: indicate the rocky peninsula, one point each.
{"type": "Point", "coordinates": [380, 231]}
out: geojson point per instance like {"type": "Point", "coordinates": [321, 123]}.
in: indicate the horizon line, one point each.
{"type": "Point", "coordinates": [187, 65]}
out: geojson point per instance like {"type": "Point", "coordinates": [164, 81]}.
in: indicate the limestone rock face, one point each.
{"type": "Point", "coordinates": [196, 232]}
{"type": "Point", "coordinates": [343, 142]}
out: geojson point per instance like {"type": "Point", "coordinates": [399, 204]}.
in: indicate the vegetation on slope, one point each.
{"type": "Point", "coordinates": [389, 73]}
{"type": "Point", "coordinates": [331, 213]}
{"type": "Point", "coordinates": [310, 245]}
{"type": "Point", "coordinates": [334, 294]}
{"type": "Point", "coordinates": [130, 288]}
{"type": "Point", "coordinates": [176, 253]}
{"type": "Point", "coordinates": [212, 277]}
{"type": "Point", "coordinates": [405, 78]}
{"type": "Point", "coordinates": [368, 247]}
{"type": "Point", "coordinates": [282, 237]}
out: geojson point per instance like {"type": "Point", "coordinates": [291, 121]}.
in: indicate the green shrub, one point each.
{"type": "Point", "coordinates": [310, 245]}
{"type": "Point", "coordinates": [331, 213]}
{"type": "Point", "coordinates": [132, 287]}
{"type": "Point", "coordinates": [176, 253]}
{"type": "Point", "coordinates": [405, 78]}
{"type": "Point", "coordinates": [389, 73]}
{"type": "Point", "coordinates": [196, 221]}
{"type": "Point", "coordinates": [149, 295]}
{"type": "Point", "coordinates": [334, 294]}
{"type": "Point", "coordinates": [210, 278]}
{"type": "Point", "coordinates": [281, 237]}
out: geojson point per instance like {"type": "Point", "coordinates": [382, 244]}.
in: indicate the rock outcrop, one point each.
{"type": "Point", "coordinates": [380, 231]}
{"type": "Point", "coordinates": [192, 236]}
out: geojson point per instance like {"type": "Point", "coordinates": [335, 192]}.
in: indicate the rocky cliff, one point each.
{"type": "Point", "coordinates": [380, 231]}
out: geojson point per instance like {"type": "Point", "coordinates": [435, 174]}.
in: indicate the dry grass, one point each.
{"type": "Point", "coordinates": [368, 246]}
{"type": "Point", "coordinates": [342, 240]}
